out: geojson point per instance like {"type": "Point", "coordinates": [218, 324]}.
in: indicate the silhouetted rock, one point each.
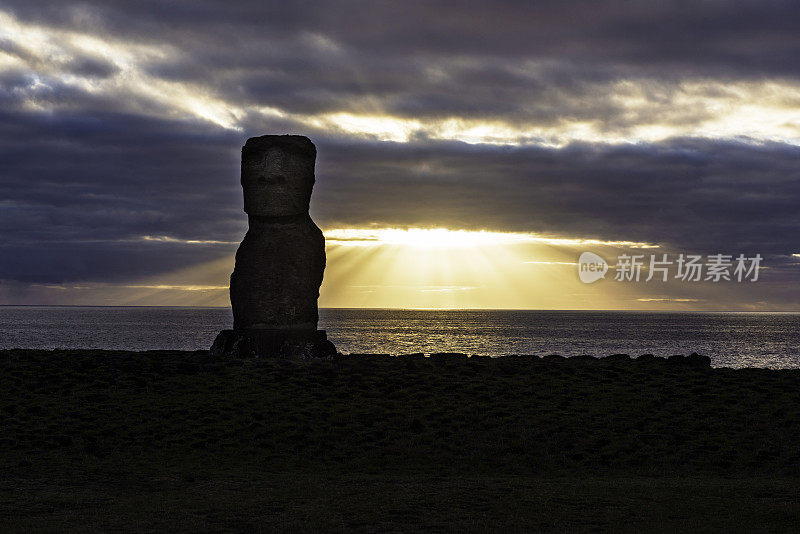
{"type": "Point", "coordinates": [280, 263]}
{"type": "Point", "coordinates": [447, 356]}
{"type": "Point", "coordinates": [698, 360]}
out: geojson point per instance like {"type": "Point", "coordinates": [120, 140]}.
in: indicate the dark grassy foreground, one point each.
{"type": "Point", "coordinates": [101, 441]}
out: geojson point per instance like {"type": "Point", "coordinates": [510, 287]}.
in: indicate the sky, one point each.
{"type": "Point", "coordinates": [468, 152]}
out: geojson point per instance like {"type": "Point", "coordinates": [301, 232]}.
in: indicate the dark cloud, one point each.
{"type": "Point", "coordinates": [68, 261]}
{"type": "Point", "coordinates": [515, 60]}
{"type": "Point", "coordinates": [92, 68]}
{"type": "Point", "coordinates": [111, 172]}
{"type": "Point", "coordinates": [690, 193]}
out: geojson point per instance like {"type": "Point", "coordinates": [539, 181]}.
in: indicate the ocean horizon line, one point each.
{"type": "Point", "coordinates": [588, 310]}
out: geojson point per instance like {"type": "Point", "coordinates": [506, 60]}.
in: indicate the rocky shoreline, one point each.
{"type": "Point", "coordinates": [94, 418]}
{"type": "Point", "coordinates": [637, 415]}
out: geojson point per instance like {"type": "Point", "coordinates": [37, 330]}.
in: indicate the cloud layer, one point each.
{"type": "Point", "coordinates": [674, 123]}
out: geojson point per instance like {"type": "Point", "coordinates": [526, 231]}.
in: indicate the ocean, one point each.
{"type": "Point", "coordinates": [729, 339]}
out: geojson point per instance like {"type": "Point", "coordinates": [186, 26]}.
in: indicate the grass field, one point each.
{"type": "Point", "coordinates": [98, 441]}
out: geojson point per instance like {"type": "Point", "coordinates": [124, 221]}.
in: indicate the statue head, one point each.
{"type": "Point", "coordinates": [277, 175]}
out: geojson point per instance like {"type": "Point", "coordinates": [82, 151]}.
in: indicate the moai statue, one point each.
{"type": "Point", "coordinates": [279, 265]}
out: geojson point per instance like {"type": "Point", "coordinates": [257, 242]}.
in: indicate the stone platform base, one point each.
{"type": "Point", "coordinates": [299, 344]}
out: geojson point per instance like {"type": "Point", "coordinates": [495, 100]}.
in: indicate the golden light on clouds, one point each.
{"type": "Point", "coordinates": [170, 239]}
{"type": "Point", "coordinates": [49, 52]}
{"type": "Point", "coordinates": [643, 109]}
{"type": "Point", "coordinates": [382, 127]}
{"type": "Point", "coordinates": [444, 238]}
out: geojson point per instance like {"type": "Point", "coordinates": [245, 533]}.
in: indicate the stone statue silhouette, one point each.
{"type": "Point", "coordinates": [280, 263]}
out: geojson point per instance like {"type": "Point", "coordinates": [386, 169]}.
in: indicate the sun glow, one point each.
{"type": "Point", "coordinates": [420, 237]}
{"type": "Point", "coordinates": [456, 268]}
{"type": "Point", "coordinates": [415, 267]}
{"type": "Point", "coordinates": [444, 238]}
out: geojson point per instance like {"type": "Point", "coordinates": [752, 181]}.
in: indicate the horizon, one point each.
{"type": "Point", "coordinates": [745, 312]}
